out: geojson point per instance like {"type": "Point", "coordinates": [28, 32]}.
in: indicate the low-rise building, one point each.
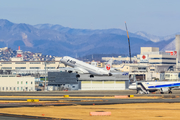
{"type": "Point", "coordinates": [172, 76]}
{"type": "Point", "coordinates": [70, 81]}
{"type": "Point", "coordinates": [16, 83]}
{"type": "Point", "coordinates": [30, 65]}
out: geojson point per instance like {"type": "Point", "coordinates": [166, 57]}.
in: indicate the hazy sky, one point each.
{"type": "Point", "coordinates": [157, 17]}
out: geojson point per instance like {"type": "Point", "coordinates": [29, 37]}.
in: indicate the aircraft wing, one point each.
{"type": "Point", "coordinates": [75, 69]}
{"type": "Point", "coordinates": [80, 70]}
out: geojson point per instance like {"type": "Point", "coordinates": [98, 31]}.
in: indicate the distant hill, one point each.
{"type": "Point", "coordinates": [156, 38]}
{"type": "Point", "coordinates": [59, 41]}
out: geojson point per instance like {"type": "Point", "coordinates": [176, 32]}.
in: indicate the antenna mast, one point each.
{"type": "Point", "coordinates": [128, 43]}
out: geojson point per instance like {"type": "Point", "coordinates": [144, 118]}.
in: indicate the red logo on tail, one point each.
{"type": "Point", "coordinates": [108, 67]}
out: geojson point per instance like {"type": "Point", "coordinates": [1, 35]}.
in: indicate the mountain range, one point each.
{"type": "Point", "coordinates": [60, 41]}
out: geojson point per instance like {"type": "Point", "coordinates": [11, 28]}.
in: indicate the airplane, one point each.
{"type": "Point", "coordinates": [147, 87]}
{"type": "Point", "coordinates": [82, 67]}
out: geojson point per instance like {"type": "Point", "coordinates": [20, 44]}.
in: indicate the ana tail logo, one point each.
{"type": "Point", "coordinates": [108, 67]}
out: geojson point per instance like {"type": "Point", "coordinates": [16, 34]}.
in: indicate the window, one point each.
{"type": "Point", "coordinates": [6, 62]}
{"type": "Point", "coordinates": [20, 62]}
{"type": "Point", "coordinates": [34, 68]}
{"type": "Point", "coordinates": [6, 68]}
{"type": "Point", "coordinates": [35, 62]}
{"type": "Point", "coordinates": [0, 88]}
{"type": "Point", "coordinates": [49, 68]}
{"type": "Point", "coordinates": [165, 58]}
{"type": "Point", "coordinates": [162, 63]}
{"type": "Point", "coordinates": [21, 82]}
{"type": "Point", "coordinates": [3, 88]}
{"type": "Point", "coordinates": [20, 68]}
{"type": "Point", "coordinates": [26, 82]}
{"type": "Point", "coordinates": [141, 68]}
{"type": "Point", "coordinates": [4, 76]}
{"type": "Point", "coordinates": [10, 88]}
{"type": "Point", "coordinates": [12, 76]}
{"type": "Point", "coordinates": [17, 88]}
{"type": "Point", "coordinates": [50, 62]}
{"type": "Point", "coordinates": [31, 82]}
{"type": "Point", "coordinates": [14, 88]}
{"type": "Point", "coordinates": [21, 88]}
{"type": "Point", "coordinates": [167, 75]}
{"type": "Point", "coordinates": [17, 82]}
{"type": "Point", "coordinates": [6, 88]}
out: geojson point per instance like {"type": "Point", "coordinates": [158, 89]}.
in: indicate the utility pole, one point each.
{"type": "Point", "coordinates": [128, 43]}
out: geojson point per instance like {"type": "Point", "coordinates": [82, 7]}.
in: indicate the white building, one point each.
{"type": "Point", "coordinates": [153, 56]}
{"type": "Point", "coordinates": [150, 63]}
{"type": "Point", "coordinates": [172, 76]}
{"type": "Point", "coordinates": [15, 83]}
{"type": "Point", "coordinates": [29, 65]}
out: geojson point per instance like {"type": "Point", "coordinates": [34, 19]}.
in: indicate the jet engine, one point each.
{"type": "Point", "coordinates": [91, 76]}
{"type": "Point", "coordinates": [69, 71]}
{"type": "Point", "coordinates": [110, 74]}
{"type": "Point", "coordinates": [77, 76]}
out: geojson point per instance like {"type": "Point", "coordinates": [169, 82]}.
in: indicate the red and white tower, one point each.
{"type": "Point", "coordinates": [19, 53]}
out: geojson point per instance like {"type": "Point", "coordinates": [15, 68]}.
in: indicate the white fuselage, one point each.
{"type": "Point", "coordinates": [155, 85]}
{"type": "Point", "coordinates": [82, 66]}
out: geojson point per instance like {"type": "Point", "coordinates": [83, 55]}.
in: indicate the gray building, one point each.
{"type": "Point", "coordinates": [63, 81]}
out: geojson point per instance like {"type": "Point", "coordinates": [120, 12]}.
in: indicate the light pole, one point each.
{"type": "Point", "coordinates": [45, 76]}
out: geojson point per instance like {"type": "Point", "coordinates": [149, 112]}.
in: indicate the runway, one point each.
{"type": "Point", "coordinates": [83, 98]}
{"type": "Point", "coordinates": [72, 93]}
{"type": "Point", "coordinates": [18, 99]}
{"type": "Point", "coordinates": [77, 93]}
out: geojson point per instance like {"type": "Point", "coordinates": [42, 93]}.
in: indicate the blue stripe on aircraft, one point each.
{"type": "Point", "coordinates": [166, 85]}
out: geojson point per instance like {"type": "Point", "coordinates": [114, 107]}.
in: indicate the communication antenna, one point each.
{"type": "Point", "coordinates": [128, 43]}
